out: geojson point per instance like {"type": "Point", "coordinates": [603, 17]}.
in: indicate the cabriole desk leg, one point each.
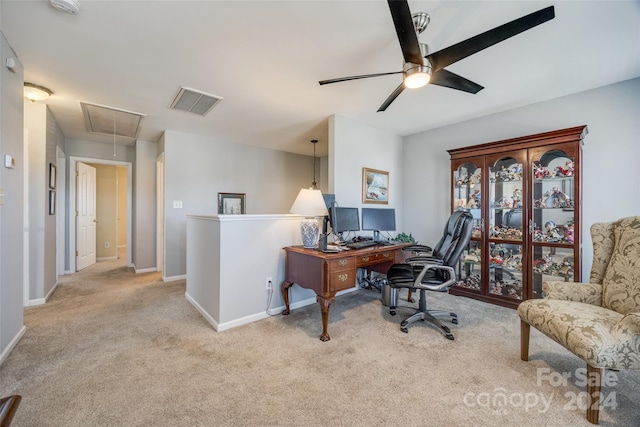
{"type": "Point", "coordinates": [284, 289]}
{"type": "Point", "coordinates": [325, 304]}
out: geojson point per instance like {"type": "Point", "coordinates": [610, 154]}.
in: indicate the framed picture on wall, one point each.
{"type": "Point", "coordinates": [375, 186]}
{"type": "Point", "coordinates": [52, 202]}
{"type": "Point", "coordinates": [231, 203]}
{"type": "Point", "coordinates": [52, 176]}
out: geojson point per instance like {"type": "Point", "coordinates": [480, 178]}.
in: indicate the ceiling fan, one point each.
{"type": "Point", "coordinates": [417, 71]}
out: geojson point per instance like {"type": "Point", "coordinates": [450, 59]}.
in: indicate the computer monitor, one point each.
{"type": "Point", "coordinates": [344, 219]}
{"type": "Point", "coordinates": [377, 220]}
{"type": "Point", "coordinates": [330, 202]}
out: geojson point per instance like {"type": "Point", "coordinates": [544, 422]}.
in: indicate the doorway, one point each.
{"type": "Point", "coordinates": [117, 218]}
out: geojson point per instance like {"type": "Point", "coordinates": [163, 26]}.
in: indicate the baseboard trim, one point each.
{"type": "Point", "coordinates": [145, 270]}
{"type": "Point", "coordinates": [40, 301]}
{"type": "Point", "coordinates": [219, 327]}
{"type": "Point", "coordinates": [35, 302]}
{"type": "Point", "coordinates": [106, 258]}
{"type": "Point", "coordinates": [5, 352]}
{"type": "Point", "coordinates": [202, 311]}
{"type": "Point", "coordinates": [173, 278]}
{"type": "Point", "coordinates": [46, 298]}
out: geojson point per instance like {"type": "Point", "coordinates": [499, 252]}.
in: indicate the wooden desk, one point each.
{"type": "Point", "coordinates": [328, 273]}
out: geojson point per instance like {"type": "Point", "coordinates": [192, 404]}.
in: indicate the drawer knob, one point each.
{"type": "Point", "coordinates": [342, 262]}
{"type": "Point", "coordinates": [343, 277]}
{"type": "Point", "coordinates": [365, 259]}
{"type": "Point", "coordinates": [386, 254]}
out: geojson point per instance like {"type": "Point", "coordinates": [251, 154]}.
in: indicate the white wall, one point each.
{"type": "Point", "coordinates": [12, 208]}
{"type": "Point", "coordinates": [198, 168]}
{"type": "Point", "coordinates": [35, 120]}
{"type": "Point", "coordinates": [220, 284]}
{"type": "Point", "coordinates": [611, 185]}
{"type": "Point", "coordinates": [144, 223]}
{"type": "Point", "coordinates": [352, 146]}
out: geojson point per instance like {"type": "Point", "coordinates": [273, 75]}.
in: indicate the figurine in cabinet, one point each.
{"type": "Point", "coordinates": [568, 233]}
{"type": "Point", "coordinates": [566, 170]}
{"type": "Point", "coordinates": [474, 200]}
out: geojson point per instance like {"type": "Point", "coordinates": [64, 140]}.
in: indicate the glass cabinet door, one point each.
{"type": "Point", "coordinates": [552, 221]}
{"type": "Point", "coordinates": [470, 267]}
{"type": "Point", "coordinates": [467, 194]}
{"type": "Point", "coordinates": [506, 219]}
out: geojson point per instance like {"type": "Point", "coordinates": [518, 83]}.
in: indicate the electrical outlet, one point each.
{"type": "Point", "coordinates": [269, 283]}
{"type": "Point", "coordinates": [107, 245]}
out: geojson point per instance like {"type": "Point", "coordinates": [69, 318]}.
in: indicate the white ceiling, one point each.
{"type": "Point", "coordinates": [265, 59]}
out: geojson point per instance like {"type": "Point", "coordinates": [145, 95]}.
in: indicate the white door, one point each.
{"type": "Point", "coordinates": [86, 216]}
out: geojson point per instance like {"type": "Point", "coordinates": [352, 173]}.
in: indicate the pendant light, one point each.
{"type": "Point", "coordinates": [310, 203]}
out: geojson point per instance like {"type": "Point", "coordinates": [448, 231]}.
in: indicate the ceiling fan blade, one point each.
{"type": "Point", "coordinates": [458, 51]}
{"type": "Point", "coordinates": [391, 97]}
{"type": "Point", "coordinates": [364, 76]}
{"type": "Point", "coordinates": [406, 31]}
{"type": "Point", "coordinates": [453, 81]}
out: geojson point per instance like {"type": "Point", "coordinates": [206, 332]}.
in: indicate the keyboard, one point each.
{"type": "Point", "coordinates": [361, 244]}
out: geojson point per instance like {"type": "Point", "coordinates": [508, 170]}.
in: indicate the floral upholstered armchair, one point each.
{"type": "Point", "coordinates": [598, 321]}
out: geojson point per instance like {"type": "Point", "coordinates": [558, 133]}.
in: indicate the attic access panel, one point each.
{"type": "Point", "coordinates": [109, 120]}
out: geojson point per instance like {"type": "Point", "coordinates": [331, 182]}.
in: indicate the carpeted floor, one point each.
{"type": "Point", "coordinates": [119, 349]}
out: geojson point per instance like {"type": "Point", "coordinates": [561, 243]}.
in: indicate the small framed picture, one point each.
{"type": "Point", "coordinates": [52, 176]}
{"type": "Point", "coordinates": [231, 203]}
{"type": "Point", "coordinates": [375, 186]}
{"type": "Point", "coordinates": [52, 202]}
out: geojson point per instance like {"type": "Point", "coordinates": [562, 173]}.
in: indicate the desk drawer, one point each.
{"type": "Point", "coordinates": [341, 264]}
{"type": "Point", "coordinates": [342, 279]}
{"type": "Point", "coordinates": [375, 258]}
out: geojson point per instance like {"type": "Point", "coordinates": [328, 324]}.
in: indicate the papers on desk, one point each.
{"type": "Point", "coordinates": [335, 249]}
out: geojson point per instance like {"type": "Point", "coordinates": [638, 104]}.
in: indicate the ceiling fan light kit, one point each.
{"type": "Point", "coordinates": [421, 67]}
{"type": "Point", "coordinates": [415, 75]}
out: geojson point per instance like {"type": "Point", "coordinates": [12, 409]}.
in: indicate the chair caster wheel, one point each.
{"type": "Point", "coordinates": [405, 330]}
{"type": "Point", "coordinates": [449, 337]}
{"type": "Point", "coordinates": [404, 323]}
{"type": "Point", "coordinates": [392, 312]}
{"type": "Point", "coordinates": [454, 321]}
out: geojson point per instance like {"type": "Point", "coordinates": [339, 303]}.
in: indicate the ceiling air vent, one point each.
{"type": "Point", "coordinates": [194, 101]}
{"type": "Point", "coordinates": [109, 120]}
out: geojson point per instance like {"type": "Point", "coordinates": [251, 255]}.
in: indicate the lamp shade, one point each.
{"type": "Point", "coordinates": [309, 203]}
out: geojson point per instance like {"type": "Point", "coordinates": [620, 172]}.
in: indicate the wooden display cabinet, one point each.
{"type": "Point", "coordinates": [525, 197]}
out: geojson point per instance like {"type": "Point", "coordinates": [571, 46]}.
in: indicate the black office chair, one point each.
{"type": "Point", "coordinates": [434, 272]}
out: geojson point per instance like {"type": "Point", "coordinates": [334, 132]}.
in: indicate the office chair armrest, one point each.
{"type": "Point", "coordinates": [435, 286]}
{"type": "Point", "coordinates": [422, 259]}
{"type": "Point", "coordinates": [418, 249]}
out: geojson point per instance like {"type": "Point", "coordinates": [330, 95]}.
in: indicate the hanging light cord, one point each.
{"type": "Point", "coordinates": [314, 184]}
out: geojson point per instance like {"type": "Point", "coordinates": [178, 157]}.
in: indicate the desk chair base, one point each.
{"type": "Point", "coordinates": [432, 316]}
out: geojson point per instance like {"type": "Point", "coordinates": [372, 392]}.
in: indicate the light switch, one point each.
{"type": "Point", "coordinates": [177, 204]}
{"type": "Point", "coordinates": [9, 161]}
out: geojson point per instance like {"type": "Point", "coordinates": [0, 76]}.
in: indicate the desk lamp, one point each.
{"type": "Point", "coordinates": [311, 204]}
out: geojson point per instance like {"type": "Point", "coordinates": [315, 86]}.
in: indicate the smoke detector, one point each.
{"type": "Point", "coordinates": [69, 6]}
